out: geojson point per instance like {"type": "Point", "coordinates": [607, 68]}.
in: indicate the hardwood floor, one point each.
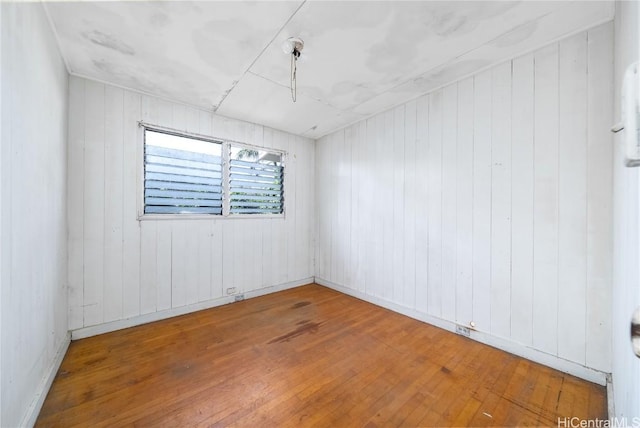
{"type": "Point", "coordinates": [305, 357]}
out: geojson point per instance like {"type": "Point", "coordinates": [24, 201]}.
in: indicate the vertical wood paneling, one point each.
{"type": "Point", "coordinates": [361, 216]}
{"type": "Point", "coordinates": [148, 265]}
{"type": "Point", "coordinates": [501, 200]}
{"type": "Point", "coordinates": [397, 226]}
{"type": "Point", "coordinates": [4, 221]}
{"type": "Point", "coordinates": [217, 254]}
{"type": "Point", "coordinates": [409, 201]}
{"type": "Point", "coordinates": [464, 203]}
{"type": "Point", "coordinates": [204, 262]}
{"type": "Point", "coordinates": [345, 174]}
{"type": "Point", "coordinates": [599, 184]}
{"type": "Point", "coordinates": [322, 223]}
{"type": "Point", "coordinates": [75, 189]}
{"type": "Point", "coordinates": [229, 256]}
{"type": "Point", "coordinates": [626, 211]}
{"type": "Point", "coordinates": [366, 206]}
{"type": "Point", "coordinates": [545, 241]}
{"type": "Point", "coordinates": [482, 201]}
{"type": "Point", "coordinates": [303, 200]}
{"type": "Point", "coordinates": [4, 179]}
{"type": "Point", "coordinates": [114, 194]}
{"type": "Point", "coordinates": [384, 191]}
{"type": "Point", "coordinates": [205, 123]}
{"type": "Point", "coordinates": [130, 226]}
{"type": "Point", "coordinates": [192, 121]}
{"type": "Point", "coordinates": [434, 201]}
{"type": "Point", "coordinates": [522, 209]}
{"type": "Point", "coordinates": [178, 118]}
{"type": "Point", "coordinates": [337, 240]}
{"type": "Point", "coordinates": [354, 225]}
{"type": "Point", "coordinates": [310, 204]}
{"type": "Point", "coordinates": [449, 199]}
{"type": "Point", "coordinates": [164, 265]}
{"type": "Point", "coordinates": [572, 195]}
{"type": "Point", "coordinates": [35, 233]}
{"type": "Point", "coordinates": [422, 214]}
{"type": "Point", "coordinates": [343, 208]}
{"type": "Point", "coordinates": [329, 171]}
{"type": "Point", "coordinates": [382, 179]}
{"type": "Point", "coordinates": [184, 250]}
{"type": "Point", "coordinates": [191, 269]}
{"type": "Point", "coordinates": [94, 203]}
{"type": "Point", "coordinates": [251, 241]}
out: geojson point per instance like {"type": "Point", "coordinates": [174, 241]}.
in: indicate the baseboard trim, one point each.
{"type": "Point", "coordinates": [518, 349]}
{"type": "Point", "coordinates": [33, 411]}
{"type": "Point", "coordinates": [108, 327]}
{"type": "Point", "coordinates": [611, 403]}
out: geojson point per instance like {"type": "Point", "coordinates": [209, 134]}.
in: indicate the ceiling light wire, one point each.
{"type": "Point", "coordinates": [293, 85]}
{"type": "Point", "coordinates": [293, 46]}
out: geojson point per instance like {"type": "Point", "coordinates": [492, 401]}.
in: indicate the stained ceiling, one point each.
{"type": "Point", "coordinates": [360, 57]}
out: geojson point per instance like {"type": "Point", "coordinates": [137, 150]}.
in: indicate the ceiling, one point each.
{"type": "Point", "coordinates": [360, 57]}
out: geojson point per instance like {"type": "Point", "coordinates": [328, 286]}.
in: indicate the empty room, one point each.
{"type": "Point", "coordinates": [319, 213]}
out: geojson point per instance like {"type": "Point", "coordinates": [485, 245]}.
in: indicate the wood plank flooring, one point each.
{"type": "Point", "coordinates": [305, 357]}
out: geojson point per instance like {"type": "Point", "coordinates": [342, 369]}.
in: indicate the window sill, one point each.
{"type": "Point", "coordinates": [189, 217]}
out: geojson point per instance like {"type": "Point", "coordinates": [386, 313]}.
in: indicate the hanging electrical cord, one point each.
{"type": "Point", "coordinates": [293, 83]}
{"type": "Point", "coordinates": [293, 46]}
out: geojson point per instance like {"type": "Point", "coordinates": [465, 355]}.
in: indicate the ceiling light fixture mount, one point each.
{"type": "Point", "coordinates": [293, 46]}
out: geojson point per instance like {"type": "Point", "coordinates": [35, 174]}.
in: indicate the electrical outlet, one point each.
{"type": "Point", "coordinates": [239, 298]}
{"type": "Point", "coordinates": [463, 331]}
{"type": "Point", "coordinates": [231, 290]}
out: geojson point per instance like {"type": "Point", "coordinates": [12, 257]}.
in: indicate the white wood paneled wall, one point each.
{"type": "Point", "coordinates": [2, 225]}
{"type": "Point", "coordinates": [626, 289]}
{"type": "Point", "coordinates": [488, 200]}
{"type": "Point", "coordinates": [33, 244]}
{"type": "Point", "coordinates": [120, 267]}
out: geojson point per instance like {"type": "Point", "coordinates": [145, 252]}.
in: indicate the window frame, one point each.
{"type": "Point", "coordinates": [226, 150]}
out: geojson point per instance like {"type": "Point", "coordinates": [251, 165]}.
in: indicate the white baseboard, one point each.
{"type": "Point", "coordinates": [33, 411]}
{"type": "Point", "coordinates": [168, 313]}
{"type": "Point", "coordinates": [611, 403]}
{"type": "Point", "coordinates": [515, 348]}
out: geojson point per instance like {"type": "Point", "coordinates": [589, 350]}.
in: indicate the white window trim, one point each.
{"type": "Point", "coordinates": [226, 144]}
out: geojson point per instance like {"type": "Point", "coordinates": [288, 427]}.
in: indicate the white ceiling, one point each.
{"type": "Point", "coordinates": [360, 57]}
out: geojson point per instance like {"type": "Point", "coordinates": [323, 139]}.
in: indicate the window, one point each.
{"type": "Point", "coordinates": [255, 181]}
{"type": "Point", "coordinates": [181, 175]}
{"type": "Point", "coordinates": [185, 174]}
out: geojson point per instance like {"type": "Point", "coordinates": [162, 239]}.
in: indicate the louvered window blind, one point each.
{"type": "Point", "coordinates": [187, 175]}
{"type": "Point", "coordinates": [255, 181]}
{"type": "Point", "coordinates": [181, 175]}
